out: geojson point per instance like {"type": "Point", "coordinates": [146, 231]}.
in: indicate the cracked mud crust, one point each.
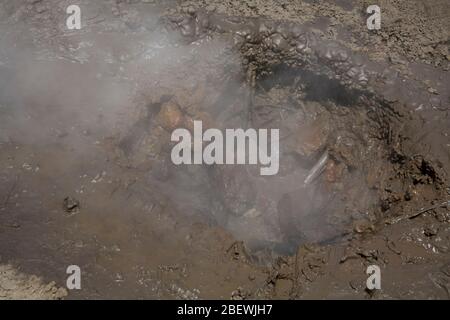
{"type": "Point", "coordinates": [15, 285]}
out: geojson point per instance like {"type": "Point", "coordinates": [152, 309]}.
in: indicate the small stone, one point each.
{"type": "Point", "coordinates": [71, 205]}
{"type": "Point", "coordinates": [363, 226]}
{"type": "Point", "coordinates": [432, 90]}
{"type": "Point", "coordinates": [190, 10]}
{"type": "Point", "coordinates": [430, 231]}
{"type": "Point", "coordinates": [170, 116]}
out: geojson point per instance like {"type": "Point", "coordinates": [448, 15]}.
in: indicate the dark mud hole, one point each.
{"type": "Point", "coordinates": [359, 135]}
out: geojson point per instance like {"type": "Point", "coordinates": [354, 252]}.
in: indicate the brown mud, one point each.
{"type": "Point", "coordinates": [87, 179]}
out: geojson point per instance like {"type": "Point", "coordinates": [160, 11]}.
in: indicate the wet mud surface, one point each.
{"type": "Point", "coordinates": [86, 176]}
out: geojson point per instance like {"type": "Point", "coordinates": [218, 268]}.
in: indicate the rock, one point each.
{"type": "Point", "coordinates": [278, 42]}
{"type": "Point", "coordinates": [430, 230]}
{"type": "Point", "coordinates": [71, 205]}
{"type": "Point", "coordinates": [432, 90]}
{"type": "Point", "coordinates": [239, 294]}
{"type": "Point", "coordinates": [363, 226]}
{"type": "Point", "coordinates": [333, 171]}
{"type": "Point", "coordinates": [170, 116]}
{"type": "Point", "coordinates": [312, 138]}
{"type": "Point", "coordinates": [187, 27]}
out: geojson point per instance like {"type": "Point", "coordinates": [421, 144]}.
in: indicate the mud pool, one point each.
{"type": "Point", "coordinates": [86, 175]}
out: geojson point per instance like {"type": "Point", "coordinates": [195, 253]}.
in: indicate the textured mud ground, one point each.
{"type": "Point", "coordinates": [86, 176]}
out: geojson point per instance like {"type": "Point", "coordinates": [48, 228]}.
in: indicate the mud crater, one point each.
{"type": "Point", "coordinates": [342, 163]}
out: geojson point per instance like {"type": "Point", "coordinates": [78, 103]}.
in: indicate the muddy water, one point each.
{"type": "Point", "coordinates": [89, 116]}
